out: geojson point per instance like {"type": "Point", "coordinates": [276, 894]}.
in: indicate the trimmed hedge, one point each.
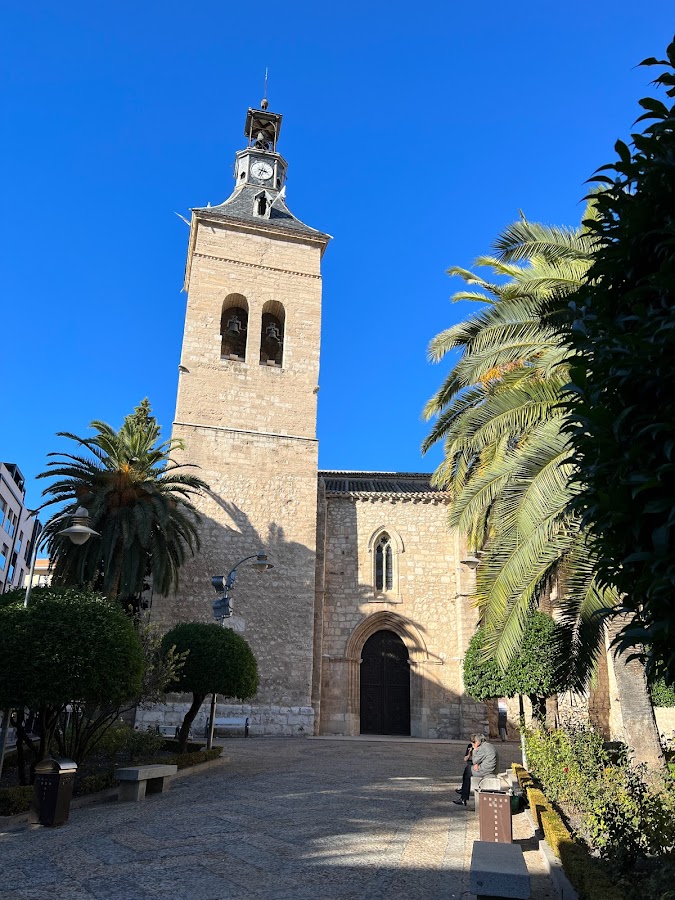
{"type": "Point", "coordinates": [187, 760]}
{"type": "Point", "coordinates": [585, 872]}
{"type": "Point", "coordinates": [14, 800]}
{"type": "Point", "coordinates": [92, 784]}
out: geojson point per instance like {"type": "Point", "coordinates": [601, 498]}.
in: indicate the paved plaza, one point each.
{"type": "Point", "coordinates": [282, 818]}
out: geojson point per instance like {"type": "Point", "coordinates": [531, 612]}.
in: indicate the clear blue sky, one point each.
{"type": "Point", "coordinates": [414, 133]}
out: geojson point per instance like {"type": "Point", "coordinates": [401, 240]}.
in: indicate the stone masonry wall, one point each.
{"type": "Point", "coordinates": [251, 430]}
{"type": "Point", "coordinates": [428, 605]}
{"type": "Point", "coordinates": [246, 395]}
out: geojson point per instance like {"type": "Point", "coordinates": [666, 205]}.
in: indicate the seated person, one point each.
{"type": "Point", "coordinates": [481, 762]}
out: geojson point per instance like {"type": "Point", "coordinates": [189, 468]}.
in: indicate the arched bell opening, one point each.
{"type": "Point", "coordinates": [272, 335]}
{"type": "Point", "coordinates": [234, 327]}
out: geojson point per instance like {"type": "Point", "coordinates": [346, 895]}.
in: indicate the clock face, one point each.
{"type": "Point", "coordinates": [262, 170]}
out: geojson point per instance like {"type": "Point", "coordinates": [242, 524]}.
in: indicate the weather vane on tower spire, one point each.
{"type": "Point", "coordinates": [264, 103]}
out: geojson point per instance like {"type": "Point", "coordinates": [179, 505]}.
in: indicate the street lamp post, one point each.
{"type": "Point", "coordinates": [79, 533]}
{"type": "Point", "coordinates": [222, 609]}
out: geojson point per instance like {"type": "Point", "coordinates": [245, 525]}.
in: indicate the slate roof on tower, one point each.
{"type": "Point", "coordinates": [240, 207]}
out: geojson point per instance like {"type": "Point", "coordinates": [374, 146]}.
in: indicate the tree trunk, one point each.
{"type": "Point", "coordinates": [197, 700]}
{"type": "Point", "coordinates": [552, 720]}
{"type": "Point", "coordinates": [631, 712]}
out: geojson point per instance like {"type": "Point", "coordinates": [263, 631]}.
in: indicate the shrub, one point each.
{"type": "Point", "coordinates": [218, 661]}
{"type": "Point", "coordinates": [187, 760]}
{"type": "Point", "coordinates": [535, 671]}
{"type": "Point", "coordinates": [68, 645]}
{"type": "Point", "coordinates": [538, 804]}
{"type": "Point", "coordinates": [661, 693]}
{"type": "Point", "coordinates": [143, 743]}
{"type": "Point", "coordinates": [623, 815]}
{"type": "Point", "coordinates": [14, 800]}
{"type": "Point", "coordinates": [171, 746]}
{"type": "Point", "coordinates": [586, 873]}
{"type": "Point", "coordinates": [92, 784]}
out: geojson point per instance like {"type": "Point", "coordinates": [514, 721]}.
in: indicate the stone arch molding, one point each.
{"type": "Point", "coordinates": [387, 621]}
{"type": "Point", "coordinates": [396, 540]}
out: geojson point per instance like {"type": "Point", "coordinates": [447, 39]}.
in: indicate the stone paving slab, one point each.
{"type": "Point", "coordinates": [285, 818]}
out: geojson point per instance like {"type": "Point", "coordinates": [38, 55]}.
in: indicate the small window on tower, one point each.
{"type": "Point", "coordinates": [261, 205]}
{"type": "Point", "coordinates": [272, 335]}
{"type": "Point", "coordinates": [234, 328]}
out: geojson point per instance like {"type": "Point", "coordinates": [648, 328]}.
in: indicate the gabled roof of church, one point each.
{"type": "Point", "coordinates": [362, 484]}
{"type": "Point", "coordinates": [240, 207]}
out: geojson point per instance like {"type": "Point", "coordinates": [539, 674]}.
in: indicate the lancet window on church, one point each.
{"type": "Point", "coordinates": [384, 564]}
{"type": "Point", "coordinates": [234, 328]}
{"type": "Point", "coordinates": [272, 335]}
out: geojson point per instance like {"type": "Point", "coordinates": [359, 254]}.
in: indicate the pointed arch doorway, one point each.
{"type": "Point", "coordinates": [385, 685]}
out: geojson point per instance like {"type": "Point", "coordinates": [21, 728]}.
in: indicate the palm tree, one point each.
{"type": "Point", "coordinates": [139, 500]}
{"type": "Point", "coordinates": [508, 462]}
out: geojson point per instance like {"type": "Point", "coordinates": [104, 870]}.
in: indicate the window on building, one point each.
{"type": "Point", "coordinates": [3, 556]}
{"type": "Point", "coordinates": [234, 327]}
{"type": "Point", "coordinates": [19, 542]}
{"type": "Point", "coordinates": [3, 510]}
{"type": "Point", "coordinates": [22, 575]}
{"type": "Point", "coordinates": [272, 335]}
{"type": "Point", "coordinates": [384, 564]}
{"type": "Point", "coordinates": [10, 524]}
{"type": "Point", "coordinates": [10, 575]}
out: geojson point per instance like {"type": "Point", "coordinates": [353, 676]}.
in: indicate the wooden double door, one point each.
{"type": "Point", "coordinates": [385, 685]}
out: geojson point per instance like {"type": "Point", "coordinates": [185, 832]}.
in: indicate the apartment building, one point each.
{"type": "Point", "coordinates": [18, 529]}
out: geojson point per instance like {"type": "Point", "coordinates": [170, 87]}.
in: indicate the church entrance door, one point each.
{"type": "Point", "coordinates": [385, 685]}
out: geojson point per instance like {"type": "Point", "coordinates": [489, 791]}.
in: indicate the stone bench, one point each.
{"type": "Point", "coordinates": [229, 723]}
{"type": "Point", "coordinates": [136, 781]}
{"type": "Point", "coordinates": [498, 870]}
{"type": "Point", "coordinates": [168, 731]}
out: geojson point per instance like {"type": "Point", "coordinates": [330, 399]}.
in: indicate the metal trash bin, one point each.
{"type": "Point", "coordinates": [54, 779]}
{"type": "Point", "coordinates": [494, 817]}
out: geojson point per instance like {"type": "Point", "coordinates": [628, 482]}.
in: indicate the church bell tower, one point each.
{"type": "Point", "coordinates": [246, 414]}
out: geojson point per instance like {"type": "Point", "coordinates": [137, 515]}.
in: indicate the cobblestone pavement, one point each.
{"type": "Point", "coordinates": [283, 818]}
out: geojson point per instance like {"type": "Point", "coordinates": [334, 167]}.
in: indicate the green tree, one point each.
{"type": "Point", "coordinates": [72, 657]}
{"type": "Point", "coordinates": [218, 661]}
{"type": "Point", "coordinates": [139, 500]}
{"type": "Point", "coordinates": [509, 463]}
{"type": "Point", "coordinates": [534, 672]}
{"type": "Point", "coordinates": [623, 407]}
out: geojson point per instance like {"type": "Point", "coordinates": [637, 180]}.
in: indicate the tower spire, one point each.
{"type": "Point", "coordinates": [264, 104]}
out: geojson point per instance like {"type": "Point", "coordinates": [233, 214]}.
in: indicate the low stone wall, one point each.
{"type": "Point", "coordinates": [665, 722]}
{"type": "Point", "coordinates": [276, 720]}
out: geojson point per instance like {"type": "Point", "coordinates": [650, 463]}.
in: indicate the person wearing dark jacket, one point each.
{"type": "Point", "coordinates": [481, 762]}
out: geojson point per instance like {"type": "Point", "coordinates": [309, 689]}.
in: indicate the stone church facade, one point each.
{"type": "Point", "coordinates": [362, 624]}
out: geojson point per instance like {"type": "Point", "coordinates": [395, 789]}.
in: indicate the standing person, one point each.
{"type": "Point", "coordinates": [503, 715]}
{"type": "Point", "coordinates": [483, 762]}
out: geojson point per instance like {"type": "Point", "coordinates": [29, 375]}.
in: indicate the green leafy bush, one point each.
{"type": "Point", "coordinates": [14, 800]}
{"type": "Point", "coordinates": [535, 671]}
{"type": "Point", "coordinates": [170, 745]}
{"type": "Point", "coordinates": [586, 873]}
{"type": "Point", "coordinates": [123, 739]}
{"type": "Point", "coordinates": [624, 815]}
{"type": "Point", "coordinates": [661, 693]}
{"type": "Point", "coordinates": [187, 760]}
{"type": "Point", "coordinates": [92, 784]}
